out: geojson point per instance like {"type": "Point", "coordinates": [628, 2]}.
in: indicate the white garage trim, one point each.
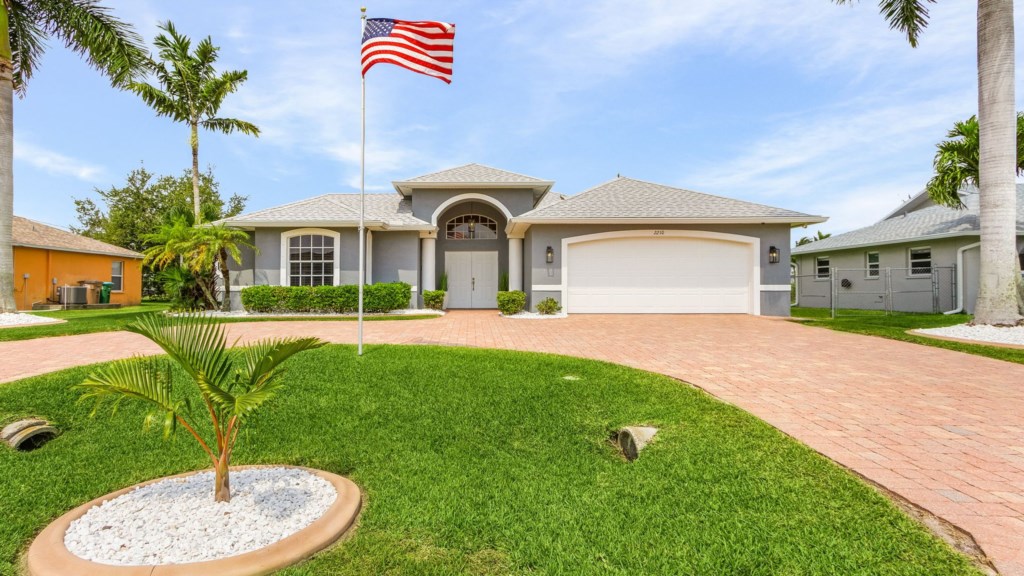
{"type": "Point", "coordinates": [469, 196]}
{"type": "Point", "coordinates": [753, 242]}
{"type": "Point", "coordinates": [776, 287]}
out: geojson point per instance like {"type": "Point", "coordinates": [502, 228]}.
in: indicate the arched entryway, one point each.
{"type": "Point", "coordinates": [472, 251]}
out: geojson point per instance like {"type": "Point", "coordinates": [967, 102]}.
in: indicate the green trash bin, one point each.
{"type": "Point", "coordinates": [105, 292]}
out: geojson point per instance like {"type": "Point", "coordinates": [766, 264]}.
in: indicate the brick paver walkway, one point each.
{"type": "Point", "coordinates": [943, 429]}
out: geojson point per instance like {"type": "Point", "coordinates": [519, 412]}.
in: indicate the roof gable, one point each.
{"type": "Point", "coordinates": [31, 234]}
{"type": "Point", "coordinates": [932, 221]}
{"type": "Point", "coordinates": [389, 210]}
{"type": "Point", "coordinates": [628, 198]}
{"type": "Point", "coordinates": [473, 175]}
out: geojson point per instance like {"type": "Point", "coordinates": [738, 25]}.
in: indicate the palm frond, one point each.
{"type": "Point", "coordinates": [27, 42]}
{"type": "Point", "coordinates": [199, 345]}
{"type": "Point", "coordinates": [136, 378]}
{"type": "Point", "coordinates": [229, 125]}
{"type": "Point", "coordinates": [956, 164]}
{"type": "Point", "coordinates": [159, 101]}
{"type": "Point", "coordinates": [907, 16]}
{"type": "Point", "coordinates": [262, 376]}
{"type": "Point", "coordinates": [89, 29]}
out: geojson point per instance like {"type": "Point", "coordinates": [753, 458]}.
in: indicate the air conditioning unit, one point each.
{"type": "Point", "coordinates": [74, 295]}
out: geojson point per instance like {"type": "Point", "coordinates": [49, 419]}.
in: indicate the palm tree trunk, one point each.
{"type": "Point", "coordinates": [7, 303]}
{"type": "Point", "coordinates": [221, 480]}
{"type": "Point", "coordinates": [226, 277]}
{"type": "Point", "coordinates": [1000, 268]}
{"type": "Point", "coordinates": [194, 140]}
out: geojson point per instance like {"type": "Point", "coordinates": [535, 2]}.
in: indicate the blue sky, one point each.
{"type": "Point", "coordinates": [800, 104]}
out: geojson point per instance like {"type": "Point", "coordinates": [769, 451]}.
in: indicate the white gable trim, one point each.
{"type": "Point", "coordinates": [466, 197]}
{"type": "Point", "coordinates": [287, 235]}
{"type": "Point", "coordinates": [753, 242]}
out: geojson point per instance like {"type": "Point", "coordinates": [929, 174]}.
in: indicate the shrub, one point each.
{"type": "Point", "coordinates": [549, 306]}
{"type": "Point", "coordinates": [503, 282]}
{"type": "Point", "coordinates": [513, 302]}
{"type": "Point", "coordinates": [433, 299]}
{"type": "Point", "coordinates": [383, 297]}
{"type": "Point", "coordinates": [442, 282]}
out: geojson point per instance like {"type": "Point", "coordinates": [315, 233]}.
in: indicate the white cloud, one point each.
{"type": "Point", "coordinates": [56, 163]}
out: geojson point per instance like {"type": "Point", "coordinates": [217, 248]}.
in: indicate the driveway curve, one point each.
{"type": "Point", "coordinates": [943, 429]}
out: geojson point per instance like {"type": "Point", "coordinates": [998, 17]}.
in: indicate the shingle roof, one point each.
{"type": "Point", "coordinates": [630, 198]}
{"type": "Point", "coordinates": [476, 173]}
{"type": "Point", "coordinates": [930, 221]}
{"type": "Point", "coordinates": [328, 209]}
{"type": "Point", "coordinates": [32, 234]}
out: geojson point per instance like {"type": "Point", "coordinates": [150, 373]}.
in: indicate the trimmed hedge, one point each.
{"type": "Point", "coordinates": [433, 299]}
{"type": "Point", "coordinates": [513, 302]}
{"type": "Point", "coordinates": [377, 298]}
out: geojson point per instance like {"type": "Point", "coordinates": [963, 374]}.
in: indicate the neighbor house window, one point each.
{"type": "Point", "coordinates": [311, 260]}
{"type": "Point", "coordinates": [920, 261]}
{"type": "Point", "coordinates": [472, 227]}
{"type": "Point", "coordinates": [871, 263]}
{"type": "Point", "coordinates": [822, 268]}
{"type": "Point", "coordinates": [117, 276]}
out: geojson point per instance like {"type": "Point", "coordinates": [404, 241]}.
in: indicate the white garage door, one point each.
{"type": "Point", "coordinates": [661, 274]}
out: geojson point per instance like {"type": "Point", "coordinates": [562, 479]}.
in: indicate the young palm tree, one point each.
{"type": "Point", "coordinates": [229, 394]}
{"type": "Point", "coordinates": [211, 246]}
{"type": "Point", "coordinates": [999, 301]}
{"type": "Point", "coordinates": [956, 161]}
{"type": "Point", "coordinates": [190, 91]}
{"type": "Point", "coordinates": [84, 26]}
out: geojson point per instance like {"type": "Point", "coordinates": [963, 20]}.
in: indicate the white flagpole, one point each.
{"type": "Point", "coordinates": [362, 190]}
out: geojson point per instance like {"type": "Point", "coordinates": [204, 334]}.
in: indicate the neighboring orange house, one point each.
{"type": "Point", "coordinates": [46, 257]}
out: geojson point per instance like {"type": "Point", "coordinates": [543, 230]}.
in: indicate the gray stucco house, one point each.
{"type": "Point", "coordinates": [921, 257]}
{"type": "Point", "coordinates": [625, 246]}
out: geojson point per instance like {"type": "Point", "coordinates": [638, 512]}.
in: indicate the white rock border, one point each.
{"type": "Point", "coordinates": [47, 555]}
{"type": "Point", "coordinates": [286, 315]}
{"type": "Point", "coordinates": [526, 315]}
{"type": "Point", "coordinates": [23, 319]}
{"type": "Point", "coordinates": [979, 333]}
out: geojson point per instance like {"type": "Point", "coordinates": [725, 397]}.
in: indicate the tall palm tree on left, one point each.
{"type": "Point", "coordinates": [191, 91]}
{"type": "Point", "coordinates": [84, 26]}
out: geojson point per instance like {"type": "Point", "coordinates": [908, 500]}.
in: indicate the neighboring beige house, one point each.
{"type": "Point", "coordinates": [921, 257]}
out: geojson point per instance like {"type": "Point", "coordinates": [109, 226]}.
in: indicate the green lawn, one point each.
{"type": "Point", "coordinates": [876, 323]}
{"type": "Point", "coordinates": [488, 462]}
{"type": "Point", "coordinates": [89, 321]}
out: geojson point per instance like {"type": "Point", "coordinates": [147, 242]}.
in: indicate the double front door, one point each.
{"type": "Point", "coordinates": [472, 279]}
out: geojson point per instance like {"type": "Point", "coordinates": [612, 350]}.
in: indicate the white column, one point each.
{"type": "Point", "coordinates": [369, 257]}
{"type": "Point", "coordinates": [426, 264]}
{"type": "Point", "coordinates": [515, 263]}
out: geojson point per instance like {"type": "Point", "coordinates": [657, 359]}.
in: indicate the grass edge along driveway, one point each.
{"type": "Point", "coordinates": [492, 462]}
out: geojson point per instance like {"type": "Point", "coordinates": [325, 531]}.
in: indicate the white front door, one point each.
{"type": "Point", "coordinates": [472, 279]}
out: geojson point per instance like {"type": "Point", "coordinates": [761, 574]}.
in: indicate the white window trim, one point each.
{"type": "Point", "coordinates": [288, 235]}
{"type": "Point", "coordinates": [481, 219]}
{"type": "Point", "coordinates": [910, 265]}
{"type": "Point", "coordinates": [121, 291]}
{"type": "Point", "coordinates": [817, 276]}
{"type": "Point", "coordinates": [867, 265]}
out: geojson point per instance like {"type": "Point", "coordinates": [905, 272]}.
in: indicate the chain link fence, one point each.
{"type": "Point", "coordinates": [862, 291]}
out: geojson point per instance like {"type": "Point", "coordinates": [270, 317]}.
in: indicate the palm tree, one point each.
{"type": "Point", "coordinates": [83, 26]}
{"type": "Point", "coordinates": [808, 239]}
{"type": "Point", "coordinates": [210, 248]}
{"type": "Point", "coordinates": [956, 161]}
{"type": "Point", "coordinates": [192, 92]}
{"type": "Point", "coordinates": [229, 394]}
{"type": "Point", "coordinates": [999, 301]}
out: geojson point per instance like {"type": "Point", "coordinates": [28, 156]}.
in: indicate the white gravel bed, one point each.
{"type": "Point", "coordinates": [244, 314]}
{"type": "Point", "coordinates": [980, 333]}
{"type": "Point", "coordinates": [176, 521]}
{"type": "Point", "coordinates": [524, 315]}
{"type": "Point", "coordinates": [9, 320]}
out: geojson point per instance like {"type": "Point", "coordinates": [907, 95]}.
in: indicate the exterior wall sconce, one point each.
{"type": "Point", "coordinates": [549, 255]}
{"type": "Point", "coordinates": [773, 255]}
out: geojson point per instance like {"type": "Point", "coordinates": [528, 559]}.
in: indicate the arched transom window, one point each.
{"type": "Point", "coordinates": [311, 260]}
{"type": "Point", "coordinates": [472, 227]}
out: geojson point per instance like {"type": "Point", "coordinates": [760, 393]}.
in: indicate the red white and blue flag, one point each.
{"type": "Point", "coordinates": [424, 47]}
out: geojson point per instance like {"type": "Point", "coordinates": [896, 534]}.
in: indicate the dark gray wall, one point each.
{"type": "Point", "coordinates": [396, 257]}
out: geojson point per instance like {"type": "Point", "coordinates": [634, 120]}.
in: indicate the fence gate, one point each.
{"type": "Point", "coordinates": [872, 291]}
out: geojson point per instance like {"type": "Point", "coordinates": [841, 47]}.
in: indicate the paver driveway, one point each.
{"type": "Point", "coordinates": [941, 428]}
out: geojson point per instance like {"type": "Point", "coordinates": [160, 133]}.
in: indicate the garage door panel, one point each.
{"type": "Point", "coordinates": [659, 275]}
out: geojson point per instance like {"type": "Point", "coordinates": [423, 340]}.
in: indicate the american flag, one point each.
{"type": "Point", "coordinates": [424, 47]}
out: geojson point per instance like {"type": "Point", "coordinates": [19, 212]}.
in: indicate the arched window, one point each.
{"type": "Point", "coordinates": [310, 258]}
{"type": "Point", "coordinates": [472, 227]}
